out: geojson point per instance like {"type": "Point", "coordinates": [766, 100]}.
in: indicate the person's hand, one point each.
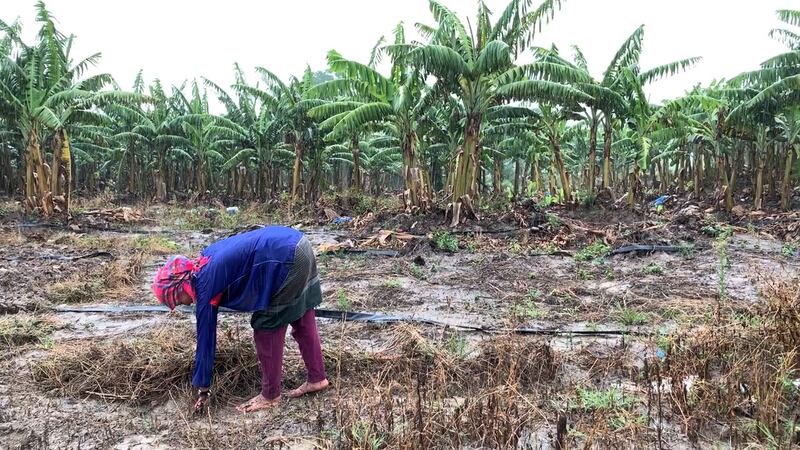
{"type": "Point", "coordinates": [202, 400]}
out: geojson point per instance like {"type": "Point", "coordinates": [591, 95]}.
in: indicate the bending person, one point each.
{"type": "Point", "coordinates": [271, 272]}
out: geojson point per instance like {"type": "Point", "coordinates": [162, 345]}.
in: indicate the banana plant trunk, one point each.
{"type": "Point", "coordinates": [36, 176]}
{"type": "Point", "coordinates": [681, 165]}
{"type": "Point", "coordinates": [417, 192]}
{"type": "Point", "coordinates": [664, 174]}
{"type": "Point", "coordinates": [787, 176]}
{"type": "Point", "coordinates": [759, 193]}
{"type": "Point", "coordinates": [698, 171]}
{"type": "Point", "coordinates": [633, 185]}
{"type": "Point", "coordinates": [62, 161]}
{"type": "Point", "coordinates": [562, 170]}
{"type": "Point", "coordinates": [517, 176]}
{"type": "Point", "coordinates": [132, 171]}
{"type": "Point", "coordinates": [592, 162]}
{"type": "Point", "coordinates": [727, 186]}
{"type": "Point", "coordinates": [497, 176]}
{"type": "Point", "coordinates": [161, 175]}
{"type": "Point", "coordinates": [297, 170]}
{"type": "Point", "coordinates": [356, 180]}
{"type": "Point", "coordinates": [769, 173]}
{"type": "Point", "coordinates": [607, 131]}
{"type": "Point", "coordinates": [465, 177]}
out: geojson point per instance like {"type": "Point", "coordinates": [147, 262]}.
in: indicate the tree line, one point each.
{"type": "Point", "coordinates": [457, 117]}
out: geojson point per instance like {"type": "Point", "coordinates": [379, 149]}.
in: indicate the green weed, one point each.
{"type": "Point", "coordinates": [392, 284]}
{"type": "Point", "coordinates": [19, 330]}
{"type": "Point", "coordinates": [158, 245]}
{"type": "Point", "coordinates": [723, 262]}
{"type": "Point", "coordinates": [687, 250]}
{"type": "Point", "coordinates": [527, 309]}
{"type": "Point", "coordinates": [583, 273]}
{"type": "Point", "coordinates": [417, 272]}
{"type": "Point", "coordinates": [593, 251]}
{"type": "Point", "coordinates": [653, 269]}
{"type": "Point", "coordinates": [632, 317]}
{"type": "Point", "coordinates": [553, 221]}
{"type": "Point", "coordinates": [548, 248]}
{"type": "Point", "coordinates": [366, 437]}
{"type": "Point", "coordinates": [603, 399]}
{"type": "Point", "coordinates": [710, 230]}
{"type": "Point", "coordinates": [457, 345]}
{"type": "Point", "coordinates": [342, 301]}
{"type": "Point", "coordinates": [471, 246]}
{"type": "Point", "coordinates": [788, 250]}
{"type": "Point", "coordinates": [445, 241]}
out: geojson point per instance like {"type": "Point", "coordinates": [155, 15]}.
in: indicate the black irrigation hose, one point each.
{"type": "Point", "coordinates": [640, 248]}
{"type": "Point", "coordinates": [62, 257]}
{"type": "Point", "coordinates": [368, 317]}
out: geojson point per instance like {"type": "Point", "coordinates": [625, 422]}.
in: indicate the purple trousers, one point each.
{"type": "Point", "coordinates": [269, 348]}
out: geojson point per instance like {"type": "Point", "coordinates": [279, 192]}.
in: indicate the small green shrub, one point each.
{"type": "Point", "coordinates": [584, 274]}
{"type": "Point", "coordinates": [632, 317]}
{"type": "Point", "coordinates": [687, 250]}
{"type": "Point", "coordinates": [445, 241]}
{"type": "Point", "coordinates": [653, 269]}
{"type": "Point", "coordinates": [417, 272]}
{"type": "Point", "coordinates": [158, 245]}
{"type": "Point", "coordinates": [553, 220]}
{"type": "Point", "coordinates": [527, 309]}
{"type": "Point", "coordinates": [342, 301]}
{"type": "Point", "coordinates": [593, 251]}
{"type": "Point", "coordinates": [710, 230]}
{"type": "Point", "coordinates": [457, 345]}
{"type": "Point", "coordinates": [603, 399]}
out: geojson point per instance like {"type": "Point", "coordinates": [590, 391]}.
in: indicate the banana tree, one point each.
{"type": "Point", "coordinates": [364, 98]}
{"type": "Point", "coordinates": [262, 151]}
{"type": "Point", "coordinates": [291, 103]}
{"type": "Point", "coordinates": [208, 136]}
{"type": "Point", "coordinates": [478, 69]}
{"type": "Point", "coordinates": [777, 86]}
{"type": "Point", "coordinates": [789, 125]}
{"type": "Point", "coordinates": [41, 90]}
{"type": "Point", "coordinates": [609, 93]}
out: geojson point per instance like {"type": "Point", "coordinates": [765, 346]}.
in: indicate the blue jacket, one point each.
{"type": "Point", "coordinates": [247, 269]}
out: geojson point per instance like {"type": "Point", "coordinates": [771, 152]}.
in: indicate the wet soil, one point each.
{"type": "Point", "coordinates": [491, 281]}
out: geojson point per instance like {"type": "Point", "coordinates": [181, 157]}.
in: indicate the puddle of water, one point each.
{"type": "Point", "coordinates": [90, 325]}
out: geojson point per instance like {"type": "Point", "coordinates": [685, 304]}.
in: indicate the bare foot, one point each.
{"type": "Point", "coordinates": [308, 388]}
{"type": "Point", "coordinates": [257, 403]}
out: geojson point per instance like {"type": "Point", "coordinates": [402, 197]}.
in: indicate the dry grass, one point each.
{"type": "Point", "coordinates": [429, 396]}
{"type": "Point", "coordinates": [156, 245]}
{"type": "Point", "coordinates": [20, 329]}
{"type": "Point", "coordinates": [144, 369]}
{"type": "Point", "coordinates": [738, 371]}
{"type": "Point", "coordinates": [11, 238]}
{"type": "Point", "coordinates": [414, 393]}
{"type": "Point", "coordinates": [116, 279]}
{"type": "Point", "coordinates": [152, 367]}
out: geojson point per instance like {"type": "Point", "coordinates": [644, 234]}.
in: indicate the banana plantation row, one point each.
{"type": "Point", "coordinates": [458, 116]}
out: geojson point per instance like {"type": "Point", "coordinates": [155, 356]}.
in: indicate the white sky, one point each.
{"type": "Point", "coordinates": [181, 39]}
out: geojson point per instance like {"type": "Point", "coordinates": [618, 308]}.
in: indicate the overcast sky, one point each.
{"type": "Point", "coordinates": [180, 39]}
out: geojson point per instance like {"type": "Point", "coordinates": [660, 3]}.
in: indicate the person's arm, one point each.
{"type": "Point", "coordinates": [206, 346]}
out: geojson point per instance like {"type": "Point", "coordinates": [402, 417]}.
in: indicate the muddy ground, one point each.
{"type": "Point", "coordinates": [552, 275]}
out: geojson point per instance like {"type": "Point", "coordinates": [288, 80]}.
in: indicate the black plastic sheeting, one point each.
{"type": "Point", "coordinates": [354, 316]}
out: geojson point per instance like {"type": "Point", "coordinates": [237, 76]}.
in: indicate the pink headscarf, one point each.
{"type": "Point", "coordinates": [176, 276]}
